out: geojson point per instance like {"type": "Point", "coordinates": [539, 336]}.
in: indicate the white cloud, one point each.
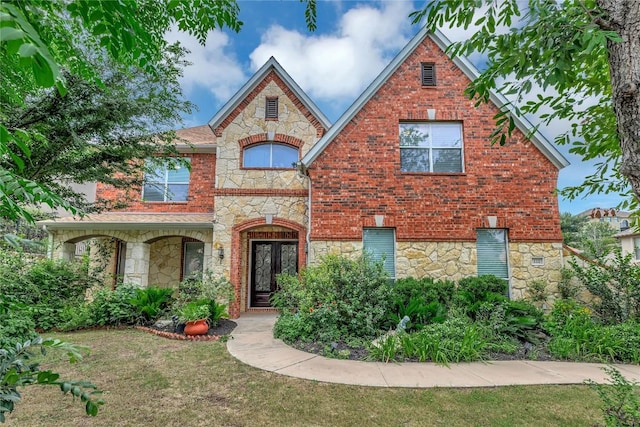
{"type": "Point", "coordinates": [213, 67]}
{"type": "Point", "coordinates": [340, 65]}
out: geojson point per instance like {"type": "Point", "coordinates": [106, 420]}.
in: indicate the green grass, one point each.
{"type": "Point", "coordinates": [151, 381]}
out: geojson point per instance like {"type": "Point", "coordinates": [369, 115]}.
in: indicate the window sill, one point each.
{"type": "Point", "coordinates": [267, 169]}
{"type": "Point", "coordinates": [435, 173]}
{"type": "Point", "coordinates": [177, 202]}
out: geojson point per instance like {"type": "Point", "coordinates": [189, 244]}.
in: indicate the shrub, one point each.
{"type": "Point", "coordinates": [344, 298]}
{"type": "Point", "coordinates": [617, 287]}
{"type": "Point", "coordinates": [46, 286]}
{"type": "Point", "coordinates": [151, 302]}
{"type": "Point", "coordinates": [16, 325]}
{"type": "Point", "coordinates": [453, 341]}
{"type": "Point", "coordinates": [425, 288]}
{"type": "Point", "coordinates": [506, 320]}
{"type": "Point", "coordinates": [113, 307]}
{"type": "Point", "coordinates": [418, 312]}
{"type": "Point", "coordinates": [620, 403]}
{"type": "Point", "coordinates": [292, 327]}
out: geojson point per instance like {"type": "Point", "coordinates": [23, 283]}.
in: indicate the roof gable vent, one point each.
{"type": "Point", "coordinates": [428, 74]}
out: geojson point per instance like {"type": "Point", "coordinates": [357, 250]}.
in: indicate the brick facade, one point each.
{"type": "Point", "coordinates": [358, 174]}
{"type": "Point", "coordinates": [199, 199]}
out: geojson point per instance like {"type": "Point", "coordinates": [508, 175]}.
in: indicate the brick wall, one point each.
{"type": "Point", "coordinates": [358, 174]}
{"type": "Point", "coordinates": [200, 198]}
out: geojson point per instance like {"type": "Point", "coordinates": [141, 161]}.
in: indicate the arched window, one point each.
{"type": "Point", "coordinates": [270, 155]}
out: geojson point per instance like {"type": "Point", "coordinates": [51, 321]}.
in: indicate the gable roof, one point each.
{"type": "Point", "coordinates": [254, 81]}
{"type": "Point", "coordinates": [522, 123]}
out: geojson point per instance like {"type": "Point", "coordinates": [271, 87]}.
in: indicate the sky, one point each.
{"type": "Point", "coordinates": [354, 41]}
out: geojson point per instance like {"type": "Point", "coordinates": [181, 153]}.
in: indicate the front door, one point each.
{"type": "Point", "coordinates": [268, 260]}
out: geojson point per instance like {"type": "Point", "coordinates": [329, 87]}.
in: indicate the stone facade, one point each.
{"type": "Point", "coordinates": [456, 260]}
{"type": "Point", "coordinates": [153, 257]}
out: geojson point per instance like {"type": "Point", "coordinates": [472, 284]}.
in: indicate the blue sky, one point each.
{"type": "Point", "coordinates": [354, 41]}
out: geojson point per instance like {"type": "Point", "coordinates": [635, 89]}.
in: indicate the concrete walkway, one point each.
{"type": "Point", "coordinates": [252, 342]}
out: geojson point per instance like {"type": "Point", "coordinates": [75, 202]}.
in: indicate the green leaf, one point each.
{"type": "Point", "coordinates": [9, 33]}
{"type": "Point", "coordinates": [27, 50]}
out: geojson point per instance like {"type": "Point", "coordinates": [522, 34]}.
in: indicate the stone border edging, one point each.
{"type": "Point", "coordinates": [179, 337]}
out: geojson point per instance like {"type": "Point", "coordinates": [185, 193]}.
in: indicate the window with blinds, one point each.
{"type": "Point", "coordinates": [168, 181]}
{"type": "Point", "coordinates": [491, 245]}
{"type": "Point", "coordinates": [271, 108]}
{"type": "Point", "coordinates": [431, 147]}
{"type": "Point", "coordinates": [380, 244]}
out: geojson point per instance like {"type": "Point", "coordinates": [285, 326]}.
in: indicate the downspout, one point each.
{"type": "Point", "coordinates": [303, 172]}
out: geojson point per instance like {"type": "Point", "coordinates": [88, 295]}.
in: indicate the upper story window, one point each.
{"type": "Point", "coordinates": [167, 182]}
{"type": "Point", "coordinates": [428, 74]}
{"type": "Point", "coordinates": [431, 147]}
{"type": "Point", "coordinates": [270, 155]}
{"type": "Point", "coordinates": [271, 108]}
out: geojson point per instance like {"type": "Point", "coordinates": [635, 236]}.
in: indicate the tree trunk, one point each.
{"type": "Point", "coordinates": [623, 17]}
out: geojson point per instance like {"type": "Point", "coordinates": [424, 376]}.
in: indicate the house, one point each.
{"type": "Point", "coordinates": [630, 243]}
{"type": "Point", "coordinates": [619, 220]}
{"type": "Point", "coordinates": [407, 173]}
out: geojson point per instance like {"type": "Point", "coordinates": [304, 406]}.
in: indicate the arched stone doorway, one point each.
{"type": "Point", "coordinates": [260, 251]}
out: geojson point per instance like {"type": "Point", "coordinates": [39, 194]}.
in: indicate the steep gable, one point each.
{"type": "Point", "coordinates": [271, 71]}
{"type": "Point", "coordinates": [469, 71]}
{"type": "Point", "coordinates": [357, 173]}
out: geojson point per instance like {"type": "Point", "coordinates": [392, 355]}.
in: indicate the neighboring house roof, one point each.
{"type": "Point", "coordinates": [539, 140]}
{"type": "Point", "coordinates": [269, 66]}
{"type": "Point", "coordinates": [599, 212]}
{"type": "Point", "coordinates": [127, 220]}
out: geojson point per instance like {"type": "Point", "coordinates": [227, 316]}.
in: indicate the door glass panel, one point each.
{"type": "Point", "coordinates": [289, 259]}
{"type": "Point", "coordinates": [262, 269]}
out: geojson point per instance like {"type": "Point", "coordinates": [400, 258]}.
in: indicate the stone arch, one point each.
{"type": "Point", "coordinates": [236, 252]}
{"type": "Point", "coordinates": [262, 138]}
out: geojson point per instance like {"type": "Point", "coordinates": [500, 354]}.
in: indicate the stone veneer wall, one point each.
{"type": "Point", "coordinates": [139, 259]}
{"type": "Point", "coordinates": [455, 260]}
{"type": "Point", "coordinates": [251, 121]}
{"type": "Point", "coordinates": [166, 265]}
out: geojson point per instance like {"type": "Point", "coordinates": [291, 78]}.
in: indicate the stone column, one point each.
{"type": "Point", "coordinates": [136, 269]}
{"type": "Point", "coordinates": [66, 251]}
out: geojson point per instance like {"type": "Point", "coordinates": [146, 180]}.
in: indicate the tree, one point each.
{"type": "Point", "coordinates": [584, 54]}
{"type": "Point", "coordinates": [47, 44]}
{"type": "Point", "coordinates": [596, 239]}
{"type": "Point", "coordinates": [571, 226]}
{"type": "Point", "coordinates": [94, 131]}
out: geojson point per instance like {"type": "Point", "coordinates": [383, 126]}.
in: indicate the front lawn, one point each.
{"type": "Point", "coordinates": [152, 381]}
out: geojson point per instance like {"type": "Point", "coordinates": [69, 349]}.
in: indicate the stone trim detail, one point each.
{"type": "Point", "coordinates": [271, 77]}
{"type": "Point", "coordinates": [264, 138]}
{"type": "Point", "coordinates": [236, 254]}
{"type": "Point", "coordinates": [273, 235]}
{"type": "Point", "coordinates": [260, 192]}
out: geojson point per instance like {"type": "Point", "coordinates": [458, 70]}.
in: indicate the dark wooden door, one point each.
{"type": "Point", "coordinates": [269, 259]}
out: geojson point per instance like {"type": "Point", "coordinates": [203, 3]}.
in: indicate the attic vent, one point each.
{"type": "Point", "coordinates": [271, 109]}
{"type": "Point", "coordinates": [428, 74]}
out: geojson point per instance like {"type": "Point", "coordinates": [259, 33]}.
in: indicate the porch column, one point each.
{"type": "Point", "coordinates": [67, 251]}
{"type": "Point", "coordinates": [136, 268]}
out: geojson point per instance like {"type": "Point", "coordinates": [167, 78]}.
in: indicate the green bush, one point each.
{"type": "Point", "coordinates": [340, 298]}
{"type": "Point", "coordinates": [481, 288]}
{"type": "Point", "coordinates": [506, 320]}
{"type": "Point", "coordinates": [113, 307]}
{"type": "Point", "coordinates": [292, 327]}
{"type": "Point", "coordinates": [418, 312]}
{"type": "Point", "coordinates": [455, 340]}
{"type": "Point", "coordinates": [16, 324]}
{"type": "Point", "coordinates": [425, 288]}
{"type": "Point", "coordinates": [616, 286]}
{"type": "Point", "coordinates": [620, 402]}
{"type": "Point", "coordinates": [151, 302]}
{"type": "Point", "coordinates": [46, 286]}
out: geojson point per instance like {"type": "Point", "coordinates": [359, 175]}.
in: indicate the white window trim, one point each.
{"type": "Point", "coordinates": [431, 147]}
{"type": "Point", "coordinates": [165, 183]}
{"type": "Point", "coordinates": [270, 144]}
